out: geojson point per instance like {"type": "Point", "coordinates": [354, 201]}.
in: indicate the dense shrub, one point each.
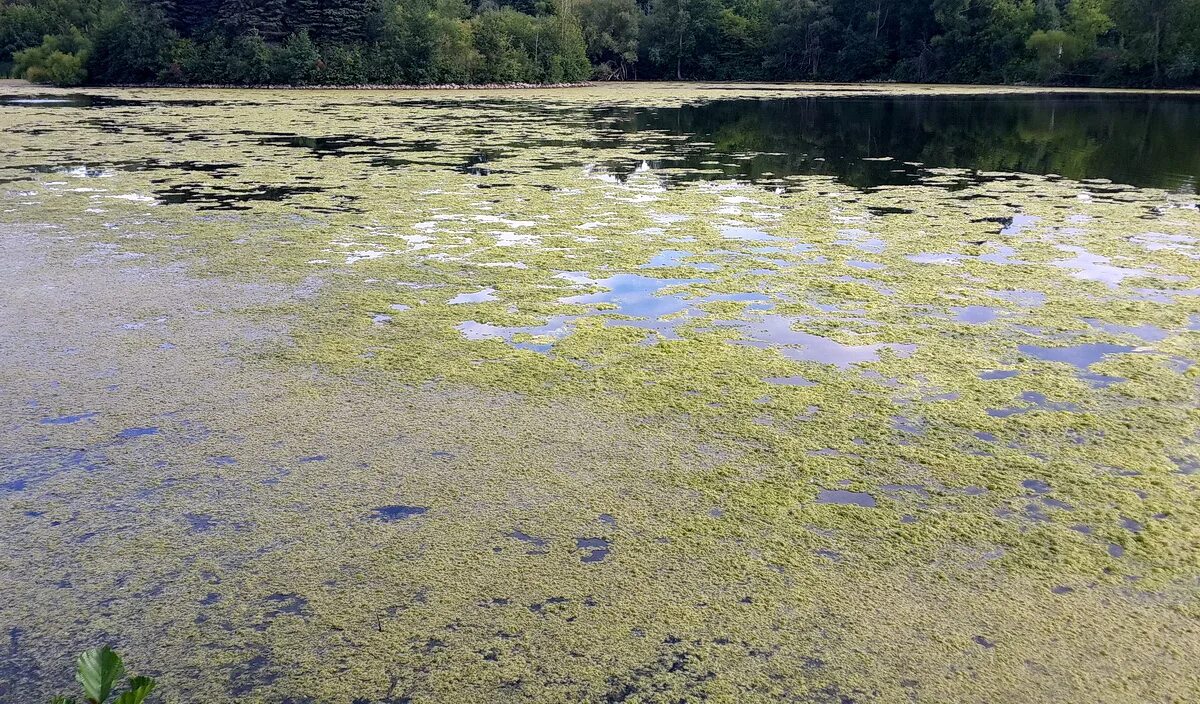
{"type": "Point", "coordinates": [130, 46]}
{"type": "Point", "coordinates": [58, 60]}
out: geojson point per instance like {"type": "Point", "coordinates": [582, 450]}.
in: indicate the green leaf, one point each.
{"type": "Point", "coordinates": [139, 689]}
{"type": "Point", "coordinates": [62, 700]}
{"type": "Point", "coordinates": [96, 671]}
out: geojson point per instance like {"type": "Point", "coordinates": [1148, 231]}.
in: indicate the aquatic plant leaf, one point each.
{"type": "Point", "coordinates": [139, 689]}
{"type": "Point", "coordinates": [62, 700]}
{"type": "Point", "coordinates": [96, 671]}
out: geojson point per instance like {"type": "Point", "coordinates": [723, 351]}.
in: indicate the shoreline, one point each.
{"type": "Point", "coordinates": [357, 86]}
{"type": "Point", "coordinates": [821, 88]}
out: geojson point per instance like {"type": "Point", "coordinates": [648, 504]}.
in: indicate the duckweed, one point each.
{"type": "Point", "coordinates": [395, 427]}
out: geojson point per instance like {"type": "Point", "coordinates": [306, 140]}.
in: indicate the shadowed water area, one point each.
{"type": "Point", "coordinates": [868, 142]}
{"type": "Point", "coordinates": [613, 394]}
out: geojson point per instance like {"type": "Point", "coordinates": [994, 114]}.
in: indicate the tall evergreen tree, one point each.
{"type": "Point", "coordinates": [262, 17]}
{"type": "Point", "coordinates": [334, 20]}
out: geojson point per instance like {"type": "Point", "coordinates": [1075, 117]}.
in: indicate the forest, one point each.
{"type": "Point", "coordinates": [1151, 43]}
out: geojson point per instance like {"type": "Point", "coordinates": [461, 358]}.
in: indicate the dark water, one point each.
{"type": "Point", "coordinates": [1139, 140]}
{"type": "Point", "coordinates": [1142, 140]}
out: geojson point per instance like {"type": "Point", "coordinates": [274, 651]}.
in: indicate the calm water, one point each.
{"type": "Point", "coordinates": [1136, 140]}
{"type": "Point", "coordinates": [601, 395]}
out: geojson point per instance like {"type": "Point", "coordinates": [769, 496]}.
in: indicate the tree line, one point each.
{"type": "Point", "coordinates": [346, 42]}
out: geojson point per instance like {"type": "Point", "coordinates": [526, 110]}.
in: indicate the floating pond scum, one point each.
{"type": "Point", "coordinates": [610, 394]}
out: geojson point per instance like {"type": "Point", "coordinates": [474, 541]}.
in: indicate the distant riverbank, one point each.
{"type": "Point", "coordinates": [364, 86]}
{"type": "Point", "coordinates": [645, 89]}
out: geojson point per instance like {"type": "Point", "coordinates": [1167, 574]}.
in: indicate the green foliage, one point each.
{"type": "Point", "coordinates": [139, 689]}
{"type": "Point", "coordinates": [676, 32]}
{"type": "Point", "coordinates": [799, 42]}
{"type": "Point", "coordinates": [565, 58]}
{"type": "Point", "coordinates": [1055, 50]}
{"type": "Point", "coordinates": [260, 17]}
{"type": "Point", "coordinates": [343, 64]}
{"type": "Point", "coordinates": [422, 41]}
{"type": "Point", "coordinates": [331, 20]}
{"type": "Point", "coordinates": [517, 47]}
{"type": "Point", "coordinates": [130, 45]}
{"type": "Point", "coordinates": [453, 57]}
{"type": "Point", "coordinates": [304, 42]}
{"type": "Point", "coordinates": [21, 26]}
{"type": "Point", "coordinates": [249, 60]}
{"type": "Point", "coordinates": [610, 30]}
{"type": "Point", "coordinates": [297, 61]}
{"type": "Point", "coordinates": [501, 37]}
{"type": "Point", "coordinates": [98, 670]}
{"type": "Point", "coordinates": [58, 60]}
{"type": "Point", "coordinates": [181, 61]}
{"type": "Point", "coordinates": [57, 68]}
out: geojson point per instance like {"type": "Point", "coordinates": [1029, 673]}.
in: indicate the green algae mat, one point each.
{"type": "Point", "coordinates": [676, 393]}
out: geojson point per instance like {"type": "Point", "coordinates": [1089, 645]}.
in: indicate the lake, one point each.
{"type": "Point", "coordinates": [629, 393]}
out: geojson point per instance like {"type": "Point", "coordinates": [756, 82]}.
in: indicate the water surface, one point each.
{"type": "Point", "coordinates": [723, 393]}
